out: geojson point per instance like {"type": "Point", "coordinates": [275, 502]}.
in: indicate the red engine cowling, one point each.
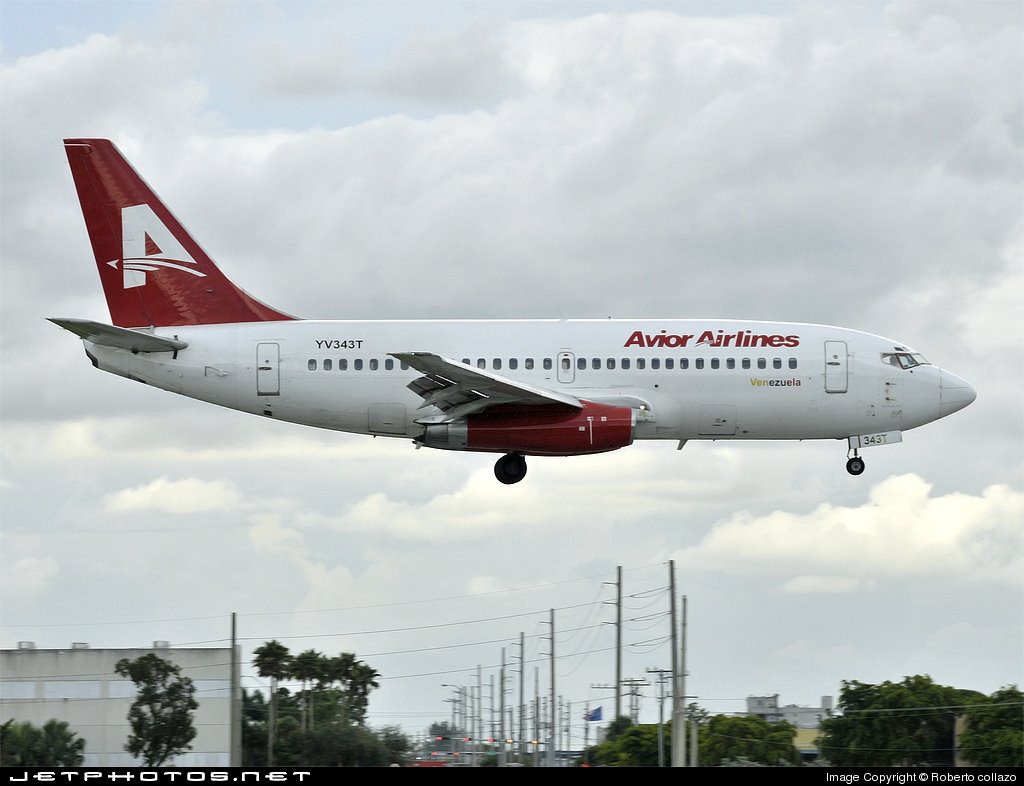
{"type": "Point", "coordinates": [538, 430]}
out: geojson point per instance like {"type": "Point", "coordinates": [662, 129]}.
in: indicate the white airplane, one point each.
{"type": "Point", "coordinates": [559, 387]}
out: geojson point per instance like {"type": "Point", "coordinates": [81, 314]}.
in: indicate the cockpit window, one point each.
{"type": "Point", "coordinates": [904, 359]}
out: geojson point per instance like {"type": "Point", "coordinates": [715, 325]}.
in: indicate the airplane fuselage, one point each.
{"type": "Point", "coordinates": [686, 379]}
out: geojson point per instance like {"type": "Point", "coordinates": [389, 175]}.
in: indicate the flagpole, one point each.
{"type": "Point", "coordinates": [586, 732]}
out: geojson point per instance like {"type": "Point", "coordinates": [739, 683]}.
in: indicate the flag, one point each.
{"type": "Point", "coordinates": [594, 714]}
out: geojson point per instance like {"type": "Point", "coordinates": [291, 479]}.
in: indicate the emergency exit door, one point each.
{"type": "Point", "coordinates": [268, 374]}
{"type": "Point", "coordinates": [836, 367]}
{"type": "Point", "coordinates": [566, 370]}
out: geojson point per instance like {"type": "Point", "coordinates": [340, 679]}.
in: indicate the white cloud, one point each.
{"type": "Point", "coordinates": [269, 534]}
{"type": "Point", "coordinates": [190, 495]}
{"type": "Point", "coordinates": [997, 303]}
{"type": "Point", "coordinates": [200, 435]}
{"type": "Point", "coordinates": [28, 576]}
{"type": "Point", "coordinates": [901, 532]}
{"type": "Point", "coordinates": [824, 584]}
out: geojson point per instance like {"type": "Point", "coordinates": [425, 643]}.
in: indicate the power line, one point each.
{"type": "Point", "coordinates": [417, 602]}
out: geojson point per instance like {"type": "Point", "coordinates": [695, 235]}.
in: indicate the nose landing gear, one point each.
{"type": "Point", "coordinates": [855, 464]}
{"type": "Point", "coordinates": [510, 468]}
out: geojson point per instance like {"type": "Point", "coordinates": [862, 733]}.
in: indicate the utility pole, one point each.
{"type": "Point", "coordinates": [511, 726]}
{"type": "Point", "coordinates": [461, 720]}
{"type": "Point", "coordinates": [661, 712]}
{"type": "Point", "coordinates": [493, 733]}
{"type": "Point", "coordinates": [693, 743]}
{"type": "Point", "coordinates": [502, 736]}
{"type": "Point", "coordinates": [478, 735]}
{"type": "Point", "coordinates": [552, 731]}
{"type": "Point", "coordinates": [564, 713]}
{"type": "Point", "coordinates": [635, 683]}
{"type": "Point", "coordinates": [538, 716]}
{"type": "Point", "coordinates": [618, 642]}
{"type": "Point", "coordinates": [682, 691]}
{"type": "Point", "coordinates": [522, 698]}
{"type": "Point", "coordinates": [235, 735]}
{"type": "Point", "coordinates": [678, 683]}
{"type": "Point", "coordinates": [451, 731]}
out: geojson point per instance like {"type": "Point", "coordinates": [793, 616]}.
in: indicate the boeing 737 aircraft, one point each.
{"type": "Point", "coordinates": [560, 387]}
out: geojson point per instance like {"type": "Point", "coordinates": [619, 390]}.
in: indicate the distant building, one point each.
{"type": "Point", "coordinates": [807, 720]}
{"type": "Point", "coordinates": [767, 707]}
{"type": "Point", "coordinates": [79, 686]}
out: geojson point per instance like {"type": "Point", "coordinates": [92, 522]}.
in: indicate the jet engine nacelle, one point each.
{"type": "Point", "coordinates": [538, 430]}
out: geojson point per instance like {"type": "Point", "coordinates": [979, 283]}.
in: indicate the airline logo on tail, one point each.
{"type": "Point", "coordinates": [148, 245]}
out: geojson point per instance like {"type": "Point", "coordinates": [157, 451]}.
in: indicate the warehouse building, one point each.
{"type": "Point", "coordinates": [80, 687]}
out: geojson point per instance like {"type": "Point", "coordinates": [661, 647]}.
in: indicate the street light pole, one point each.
{"type": "Point", "coordinates": [457, 717]}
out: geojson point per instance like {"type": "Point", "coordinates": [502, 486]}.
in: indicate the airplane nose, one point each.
{"type": "Point", "coordinates": [954, 393]}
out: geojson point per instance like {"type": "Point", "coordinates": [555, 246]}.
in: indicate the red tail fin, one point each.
{"type": "Point", "coordinates": [153, 272]}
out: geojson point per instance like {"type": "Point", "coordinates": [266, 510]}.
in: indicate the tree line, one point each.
{"type": "Point", "coordinates": [324, 722]}
{"type": "Point", "coordinates": [912, 723]}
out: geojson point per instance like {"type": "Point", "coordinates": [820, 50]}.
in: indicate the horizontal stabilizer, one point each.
{"type": "Point", "coordinates": [121, 338]}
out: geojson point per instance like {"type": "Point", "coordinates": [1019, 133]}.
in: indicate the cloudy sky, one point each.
{"type": "Point", "coordinates": [856, 164]}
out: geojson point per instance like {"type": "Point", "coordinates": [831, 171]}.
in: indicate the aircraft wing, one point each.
{"type": "Point", "coordinates": [458, 389]}
{"type": "Point", "coordinates": [121, 338]}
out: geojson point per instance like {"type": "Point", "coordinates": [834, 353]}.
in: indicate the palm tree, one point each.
{"type": "Point", "coordinates": [363, 680]}
{"type": "Point", "coordinates": [339, 670]}
{"type": "Point", "coordinates": [306, 667]}
{"type": "Point", "coordinates": [272, 660]}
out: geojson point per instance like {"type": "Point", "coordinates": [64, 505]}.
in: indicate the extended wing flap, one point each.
{"type": "Point", "coordinates": [459, 389]}
{"type": "Point", "coordinates": [121, 338]}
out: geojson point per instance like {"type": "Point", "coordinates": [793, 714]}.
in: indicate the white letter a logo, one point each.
{"type": "Point", "coordinates": [146, 245]}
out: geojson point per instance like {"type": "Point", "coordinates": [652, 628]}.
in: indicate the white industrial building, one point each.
{"type": "Point", "coordinates": [807, 720]}
{"type": "Point", "coordinates": [79, 686]}
{"type": "Point", "coordinates": [767, 707]}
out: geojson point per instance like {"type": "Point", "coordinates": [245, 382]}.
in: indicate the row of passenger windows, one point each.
{"type": "Point", "coordinates": [671, 363]}
{"type": "Point", "coordinates": [358, 364]}
{"type": "Point", "coordinates": [496, 364]}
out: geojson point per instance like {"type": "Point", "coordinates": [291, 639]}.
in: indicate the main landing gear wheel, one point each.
{"type": "Point", "coordinates": [855, 466]}
{"type": "Point", "coordinates": [510, 468]}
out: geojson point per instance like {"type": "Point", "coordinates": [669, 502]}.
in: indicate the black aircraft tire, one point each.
{"type": "Point", "coordinates": [855, 466]}
{"type": "Point", "coordinates": [510, 468]}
